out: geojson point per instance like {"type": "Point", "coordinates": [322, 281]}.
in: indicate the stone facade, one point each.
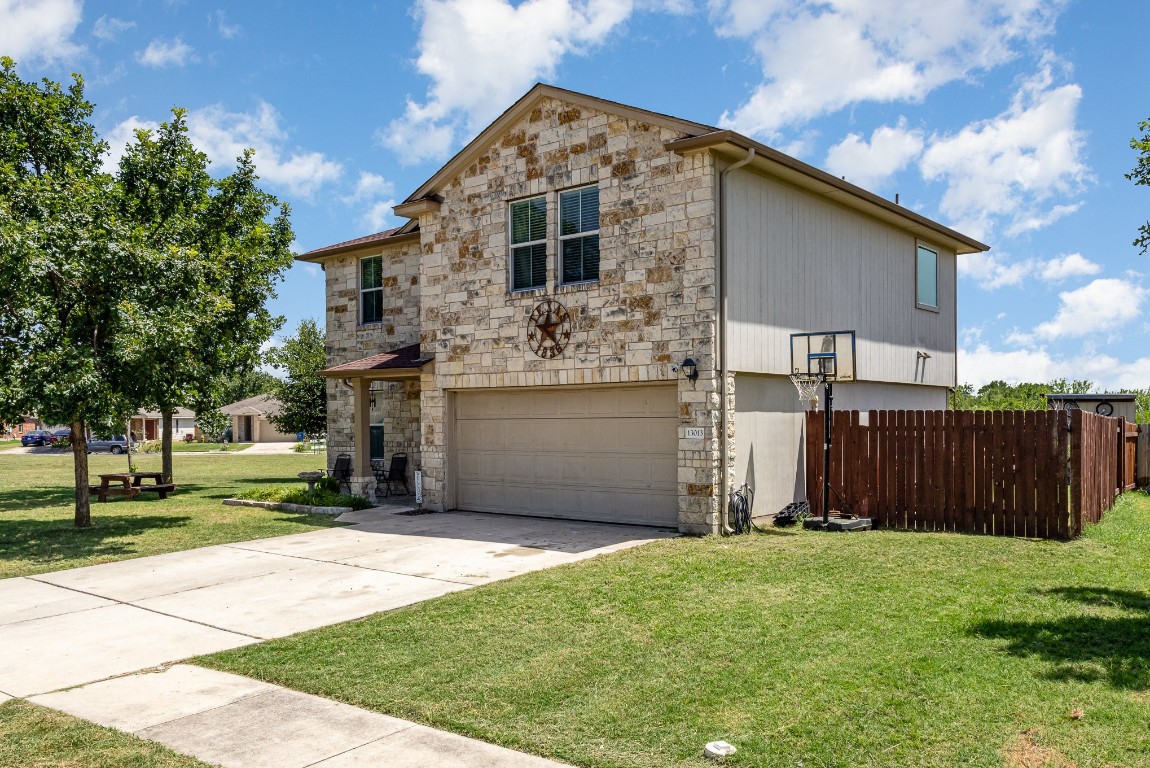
{"type": "Point", "coordinates": [653, 305]}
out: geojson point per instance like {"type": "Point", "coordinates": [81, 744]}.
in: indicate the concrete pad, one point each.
{"type": "Point", "coordinates": [287, 602]}
{"type": "Point", "coordinates": [468, 562]}
{"type": "Point", "coordinates": [419, 746]}
{"type": "Point", "coordinates": [280, 729]}
{"type": "Point", "coordinates": [24, 599]}
{"type": "Point", "coordinates": [144, 577]}
{"type": "Point", "coordinates": [331, 544]}
{"type": "Point", "coordinates": [56, 652]}
{"type": "Point", "coordinates": [148, 699]}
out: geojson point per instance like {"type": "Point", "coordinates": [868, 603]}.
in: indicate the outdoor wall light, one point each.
{"type": "Point", "coordinates": [690, 369]}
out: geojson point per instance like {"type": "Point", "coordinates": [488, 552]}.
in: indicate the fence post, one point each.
{"type": "Point", "coordinates": [1076, 485]}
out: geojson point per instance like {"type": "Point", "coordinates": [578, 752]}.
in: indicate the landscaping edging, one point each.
{"type": "Point", "coordinates": [286, 507]}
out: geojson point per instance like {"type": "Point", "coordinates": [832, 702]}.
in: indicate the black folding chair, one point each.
{"type": "Point", "coordinates": [342, 471]}
{"type": "Point", "coordinates": [396, 472]}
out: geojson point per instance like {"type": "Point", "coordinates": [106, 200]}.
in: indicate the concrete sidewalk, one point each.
{"type": "Point", "coordinates": [238, 722]}
{"type": "Point", "coordinates": [82, 626]}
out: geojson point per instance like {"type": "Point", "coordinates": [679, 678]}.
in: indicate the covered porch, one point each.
{"type": "Point", "coordinates": [384, 413]}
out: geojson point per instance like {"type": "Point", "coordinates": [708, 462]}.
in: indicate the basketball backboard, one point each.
{"type": "Point", "coordinates": [829, 355]}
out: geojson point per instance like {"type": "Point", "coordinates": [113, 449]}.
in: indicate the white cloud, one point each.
{"type": "Point", "coordinates": [108, 28]}
{"type": "Point", "coordinates": [225, 30]}
{"type": "Point", "coordinates": [1070, 265]}
{"type": "Point", "coordinates": [224, 135]}
{"type": "Point", "coordinates": [983, 364]}
{"type": "Point", "coordinates": [1010, 166]}
{"type": "Point", "coordinates": [166, 53]}
{"type": "Point", "coordinates": [122, 134]}
{"type": "Point", "coordinates": [483, 54]}
{"type": "Point", "coordinates": [869, 164]}
{"type": "Point", "coordinates": [39, 30]}
{"type": "Point", "coordinates": [376, 214]}
{"type": "Point", "coordinates": [992, 271]}
{"type": "Point", "coordinates": [818, 57]}
{"type": "Point", "coordinates": [1101, 305]}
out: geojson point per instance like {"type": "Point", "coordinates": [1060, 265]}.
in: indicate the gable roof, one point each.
{"type": "Point", "coordinates": [523, 107]}
{"type": "Point", "coordinates": [258, 405]}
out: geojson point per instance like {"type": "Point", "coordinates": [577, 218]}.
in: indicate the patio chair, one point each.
{"type": "Point", "coordinates": [396, 472]}
{"type": "Point", "coordinates": [341, 471]}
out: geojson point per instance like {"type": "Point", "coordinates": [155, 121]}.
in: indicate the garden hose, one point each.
{"type": "Point", "coordinates": [739, 507]}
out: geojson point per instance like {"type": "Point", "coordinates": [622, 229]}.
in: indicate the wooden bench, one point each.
{"type": "Point", "coordinates": [163, 489]}
{"type": "Point", "coordinates": [103, 492]}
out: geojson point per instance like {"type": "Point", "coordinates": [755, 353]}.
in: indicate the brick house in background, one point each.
{"type": "Point", "coordinates": [522, 336]}
{"type": "Point", "coordinates": [17, 430]}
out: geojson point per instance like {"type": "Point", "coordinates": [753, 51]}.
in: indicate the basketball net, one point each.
{"type": "Point", "coordinates": [808, 387]}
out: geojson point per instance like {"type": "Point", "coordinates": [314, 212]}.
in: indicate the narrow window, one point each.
{"type": "Point", "coordinates": [927, 277]}
{"type": "Point", "coordinates": [579, 234]}
{"type": "Point", "coordinates": [529, 244]}
{"type": "Point", "coordinates": [371, 290]}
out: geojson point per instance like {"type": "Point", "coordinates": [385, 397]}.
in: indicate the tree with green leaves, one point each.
{"type": "Point", "coordinates": [302, 392]}
{"type": "Point", "coordinates": [1000, 396]}
{"type": "Point", "coordinates": [70, 268]}
{"type": "Point", "coordinates": [212, 422]}
{"type": "Point", "coordinates": [222, 245]}
{"type": "Point", "coordinates": [1141, 176]}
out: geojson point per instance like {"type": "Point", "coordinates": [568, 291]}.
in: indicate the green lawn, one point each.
{"type": "Point", "coordinates": [36, 492]}
{"type": "Point", "coordinates": [35, 737]}
{"type": "Point", "coordinates": [802, 649]}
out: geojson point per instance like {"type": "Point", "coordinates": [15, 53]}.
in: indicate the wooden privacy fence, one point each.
{"type": "Point", "coordinates": [1007, 473]}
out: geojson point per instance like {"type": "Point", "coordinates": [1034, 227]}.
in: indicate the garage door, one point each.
{"type": "Point", "coordinates": [586, 454]}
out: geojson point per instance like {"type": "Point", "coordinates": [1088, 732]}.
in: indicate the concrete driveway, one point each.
{"type": "Point", "coordinates": [69, 628]}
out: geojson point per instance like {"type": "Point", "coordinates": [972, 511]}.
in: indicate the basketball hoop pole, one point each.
{"type": "Point", "coordinates": [828, 396]}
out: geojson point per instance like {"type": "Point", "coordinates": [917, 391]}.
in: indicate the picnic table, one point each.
{"type": "Point", "coordinates": [131, 485]}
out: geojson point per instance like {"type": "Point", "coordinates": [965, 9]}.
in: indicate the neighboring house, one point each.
{"type": "Point", "coordinates": [250, 421]}
{"type": "Point", "coordinates": [521, 337]}
{"type": "Point", "coordinates": [19, 429]}
{"type": "Point", "coordinates": [149, 425]}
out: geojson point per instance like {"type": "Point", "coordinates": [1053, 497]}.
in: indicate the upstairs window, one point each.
{"type": "Point", "coordinates": [371, 290]}
{"type": "Point", "coordinates": [926, 274]}
{"type": "Point", "coordinates": [579, 235]}
{"type": "Point", "coordinates": [529, 244]}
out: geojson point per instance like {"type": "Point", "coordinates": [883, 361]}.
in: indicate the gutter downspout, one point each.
{"type": "Point", "coordinates": [721, 342]}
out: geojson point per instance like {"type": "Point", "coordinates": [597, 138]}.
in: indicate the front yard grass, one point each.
{"type": "Point", "coordinates": [36, 737]}
{"type": "Point", "coordinates": [803, 649]}
{"type": "Point", "coordinates": [36, 509]}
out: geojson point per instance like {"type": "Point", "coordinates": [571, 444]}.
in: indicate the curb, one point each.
{"type": "Point", "coordinates": [286, 507]}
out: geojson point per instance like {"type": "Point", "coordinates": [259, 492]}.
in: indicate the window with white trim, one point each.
{"type": "Point", "coordinates": [529, 243]}
{"type": "Point", "coordinates": [579, 235]}
{"type": "Point", "coordinates": [926, 278]}
{"type": "Point", "coordinates": [371, 290]}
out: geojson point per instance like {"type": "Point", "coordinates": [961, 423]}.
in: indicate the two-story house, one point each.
{"type": "Point", "coordinates": [523, 336]}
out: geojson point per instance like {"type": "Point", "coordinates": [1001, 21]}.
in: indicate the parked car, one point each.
{"type": "Point", "coordinates": [36, 437]}
{"type": "Point", "coordinates": [113, 444]}
{"type": "Point", "coordinates": [61, 437]}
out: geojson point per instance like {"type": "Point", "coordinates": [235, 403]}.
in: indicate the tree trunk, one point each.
{"type": "Point", "coordinates": [80, 465]}
{"type": "Point", "coordinates": [166, 446]}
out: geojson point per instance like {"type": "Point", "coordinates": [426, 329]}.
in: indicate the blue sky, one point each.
{"type": "Point", "coordinates": [1007, 119]}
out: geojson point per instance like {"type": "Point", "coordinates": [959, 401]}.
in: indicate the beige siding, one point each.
{"type": "Point", "coordinates": [800, 263]}
{"type": "Point", "coordinates": [769, 430]}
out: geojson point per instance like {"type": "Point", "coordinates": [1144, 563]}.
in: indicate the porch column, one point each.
{"type": "Point", "coordinates": [361, 431]}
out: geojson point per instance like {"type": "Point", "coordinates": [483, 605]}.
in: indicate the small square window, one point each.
{"type": "Point", "coordinates": [371, 290]}
{"type": "Point", "coordinates": [926, 277]}
{"type": "Point", "coordinates": [579, 235]}
{"type": "Point", "coordinates": [529, 244]}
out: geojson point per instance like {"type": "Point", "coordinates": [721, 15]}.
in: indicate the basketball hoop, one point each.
{"type": "Point", "coordinates": [808, 387]}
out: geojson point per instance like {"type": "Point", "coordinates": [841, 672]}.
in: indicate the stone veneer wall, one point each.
{"type": "Point", "coordinates": [653, 305]}
{"type": "Point", "coordinates": [347, 340]}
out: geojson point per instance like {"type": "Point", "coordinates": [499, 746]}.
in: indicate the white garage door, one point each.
{"type": "Point", "coordinates": [586, 454]}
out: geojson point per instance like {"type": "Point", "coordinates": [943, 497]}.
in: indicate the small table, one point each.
{"type": "Point", "coordinates": [132, 485]}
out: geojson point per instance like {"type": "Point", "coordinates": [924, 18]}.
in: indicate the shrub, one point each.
{"type": "Point", "coordinates": [300, 495]}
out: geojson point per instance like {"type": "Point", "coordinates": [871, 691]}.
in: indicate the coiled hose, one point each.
{"type": "Point", "coordinates": [739, 507]}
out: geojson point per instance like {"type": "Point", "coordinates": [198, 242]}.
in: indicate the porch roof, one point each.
{"type": "Point", "coordinates": [403, 362]}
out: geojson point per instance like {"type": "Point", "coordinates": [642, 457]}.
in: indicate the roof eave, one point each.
{"type": "Point", "coordinates": [319, 255]}
{"type": "Point", "coordinates": [831, 187]}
